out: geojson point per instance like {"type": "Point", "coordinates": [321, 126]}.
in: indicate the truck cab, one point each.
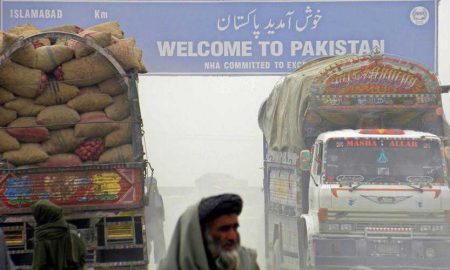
{"type": "Point", "coordinates": [377, 198]}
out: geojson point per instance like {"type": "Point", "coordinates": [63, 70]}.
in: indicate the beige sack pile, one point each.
{"type": "Point", "coordinates": [61, 103]}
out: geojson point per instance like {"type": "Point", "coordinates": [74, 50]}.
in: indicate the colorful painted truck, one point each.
{"type": "Point", "coordinates": [354, 167]}
{"type": "Point", "coordinates": [103, 199]}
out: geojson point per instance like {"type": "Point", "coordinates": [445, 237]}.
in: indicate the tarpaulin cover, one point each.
{"type": "Point", "coordinates": [342, 87]}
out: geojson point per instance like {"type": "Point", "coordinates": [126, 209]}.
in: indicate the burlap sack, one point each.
{"type": "Point", "coordinates": [58, 117]}
{"type": "Point", "coordinates": [108, 27]}
{"type": "Point", "coordinates": [27, 30]}
{"type": "Point", "coordinates": [142, 67]}
{"type": "Point", "coordinates": [111, 87]}
{"type": "Point", "coordinates": [85, 71]}
{"type": "Point", "coordinates": [22, 81]}
{"type": "Point", "coordinates": [62, 160]}
{"type": "Point", "coordinates": [138, 52]}
{"type": "Point", "coordinates": [90, 100]}
{"type": "Point", "coordinates": [120, 109]}
{"type": "Point", "coordinates": [91, 149]}
{"type": "Point", "coordinates": [120, 136]}
{"type": "Point", "coordinates": [6, 96]}
{"type": "Point", "coordinates": [25, 129]}
{"type": "Point", "coordinates": [24, 107]}
{"type": "Point", "coordinates": [7, 116]}
{"type": "Point", "coordinates": [125, 52]}
{"type": "Point", "coordinates": [94, 124]}
{"type": "Point", "coordinates": [25, 56]}
{"type": "Point", "coordinates": [8, 142]}
{"type": "Point", "coordinates": [6, 40]}
{"type": "Point", "coordinates": [29, 153]}
{"type": "Point", "coordinates": [70, 28]}
{"type": "Point", "coordinates": [45, 58]}
{"type": "Point", "coordinates": [121, 154]}
{"type": "Point", "coordinates": [49, 57]}
{"type": "Point", "coordinates": [20, 29]}
{"type": "Point", "coordinates": [102, 39]}
{"type": "Point", "coordinates": [57, 93]}
{"type": "Point", "coordinates": [62, 141]}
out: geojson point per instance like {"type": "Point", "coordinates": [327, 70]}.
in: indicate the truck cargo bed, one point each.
{"type": "Point", "coordinates": [74, 188]}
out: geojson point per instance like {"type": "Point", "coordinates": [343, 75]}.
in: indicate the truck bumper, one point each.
{"type": "Point", "coordinates": [346, 252]}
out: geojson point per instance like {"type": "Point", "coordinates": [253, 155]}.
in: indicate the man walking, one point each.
{"type": "Point", "coordinates": [154, 218]}
{"type": "Point", "coordinates": [206, 237]}
{"type": "Point", "coordinates": [57, 245]}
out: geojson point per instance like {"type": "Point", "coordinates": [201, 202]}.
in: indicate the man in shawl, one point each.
{"type": "Point", "coordinates": [154, 219]}
{"type": "Point", "coordinates": [206, 237]}
{"type": "Point", "coordinates": [57, 245]}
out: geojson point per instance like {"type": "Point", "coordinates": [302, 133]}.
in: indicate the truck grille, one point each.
{"type": "Point", "coordinates": [398, 223]}
{"type": "Point", "coordinates": [387, 217]}
{"type": "Point", "coordinates": [384, 227]}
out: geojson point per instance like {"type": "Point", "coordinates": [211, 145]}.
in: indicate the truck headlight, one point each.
{"type": "Point", "coordinates": [425, 228]}
{"type": "Point", "coordinates": [333, 227]}
{"type": "Point", "coordinates": [339, 227]}
{"type": "Point", "coordinates": [437, 228]}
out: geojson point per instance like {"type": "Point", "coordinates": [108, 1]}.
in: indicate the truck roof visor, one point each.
{"type": "Point", "coordinates": [382, 131]}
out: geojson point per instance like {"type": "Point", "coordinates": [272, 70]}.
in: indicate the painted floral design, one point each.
{"type": "Point", "coordinates": [106, 186]}
{"type": "Point", "coordinates": [18, 190]}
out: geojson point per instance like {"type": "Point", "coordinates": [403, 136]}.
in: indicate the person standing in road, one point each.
{"type": "Point", "coordinates": [155, 219]}
{"type": "Point", "coordinates": [206, 237]}
{"type": "Point", "coordinates": [57, 245]}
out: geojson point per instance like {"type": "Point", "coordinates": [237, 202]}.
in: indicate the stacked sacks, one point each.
{"type": "Point", "coordinates": [61, 103]}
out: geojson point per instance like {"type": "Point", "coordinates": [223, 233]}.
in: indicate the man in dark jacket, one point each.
{"type": "Point", "coordinates": [206, 237]}
{"type": "Point", "coordinates": [57, 245]}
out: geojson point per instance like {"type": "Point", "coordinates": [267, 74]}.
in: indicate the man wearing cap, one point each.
{"type": "Point", "coordinates": [206, 237]}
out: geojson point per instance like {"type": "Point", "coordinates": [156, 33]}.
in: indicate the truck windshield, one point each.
{"type": "Point", "coordinates": [384, 159]}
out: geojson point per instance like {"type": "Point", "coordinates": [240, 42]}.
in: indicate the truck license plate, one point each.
{"type": "Point", "coordinates": [388, 248]}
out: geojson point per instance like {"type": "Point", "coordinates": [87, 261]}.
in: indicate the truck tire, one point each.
{"type": "Point", "coordinates": [303, 247]}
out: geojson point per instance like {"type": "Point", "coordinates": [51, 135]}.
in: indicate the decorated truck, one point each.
{"type": "Point", "coordinates": [71, 133]}
{"type": "Point", "coordinates": [355, 170]}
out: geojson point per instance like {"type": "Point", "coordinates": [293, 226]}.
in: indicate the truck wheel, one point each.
{"type": "Point", "coordinates": [303, 247]}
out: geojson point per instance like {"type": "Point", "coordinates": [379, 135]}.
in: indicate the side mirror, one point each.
{"type": "Point", "coordinates": [447, 153]}
{"type": "Point", "coordinates": [304, 160]}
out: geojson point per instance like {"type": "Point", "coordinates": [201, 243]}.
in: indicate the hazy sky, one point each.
{"type": "Point", "coordinates": [199, 125]}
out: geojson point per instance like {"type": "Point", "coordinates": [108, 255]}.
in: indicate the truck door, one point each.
{"type": "Point", "coordinates": [316, 174]}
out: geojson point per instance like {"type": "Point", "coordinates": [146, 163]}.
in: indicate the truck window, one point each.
{"type": "Point", "coordinates": [390, 159]}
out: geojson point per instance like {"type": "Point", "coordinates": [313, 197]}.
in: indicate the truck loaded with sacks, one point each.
{"type": "Point", "coordinates": [71, 133]}
{"type": "Point", "coordinates": [356, 166]}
